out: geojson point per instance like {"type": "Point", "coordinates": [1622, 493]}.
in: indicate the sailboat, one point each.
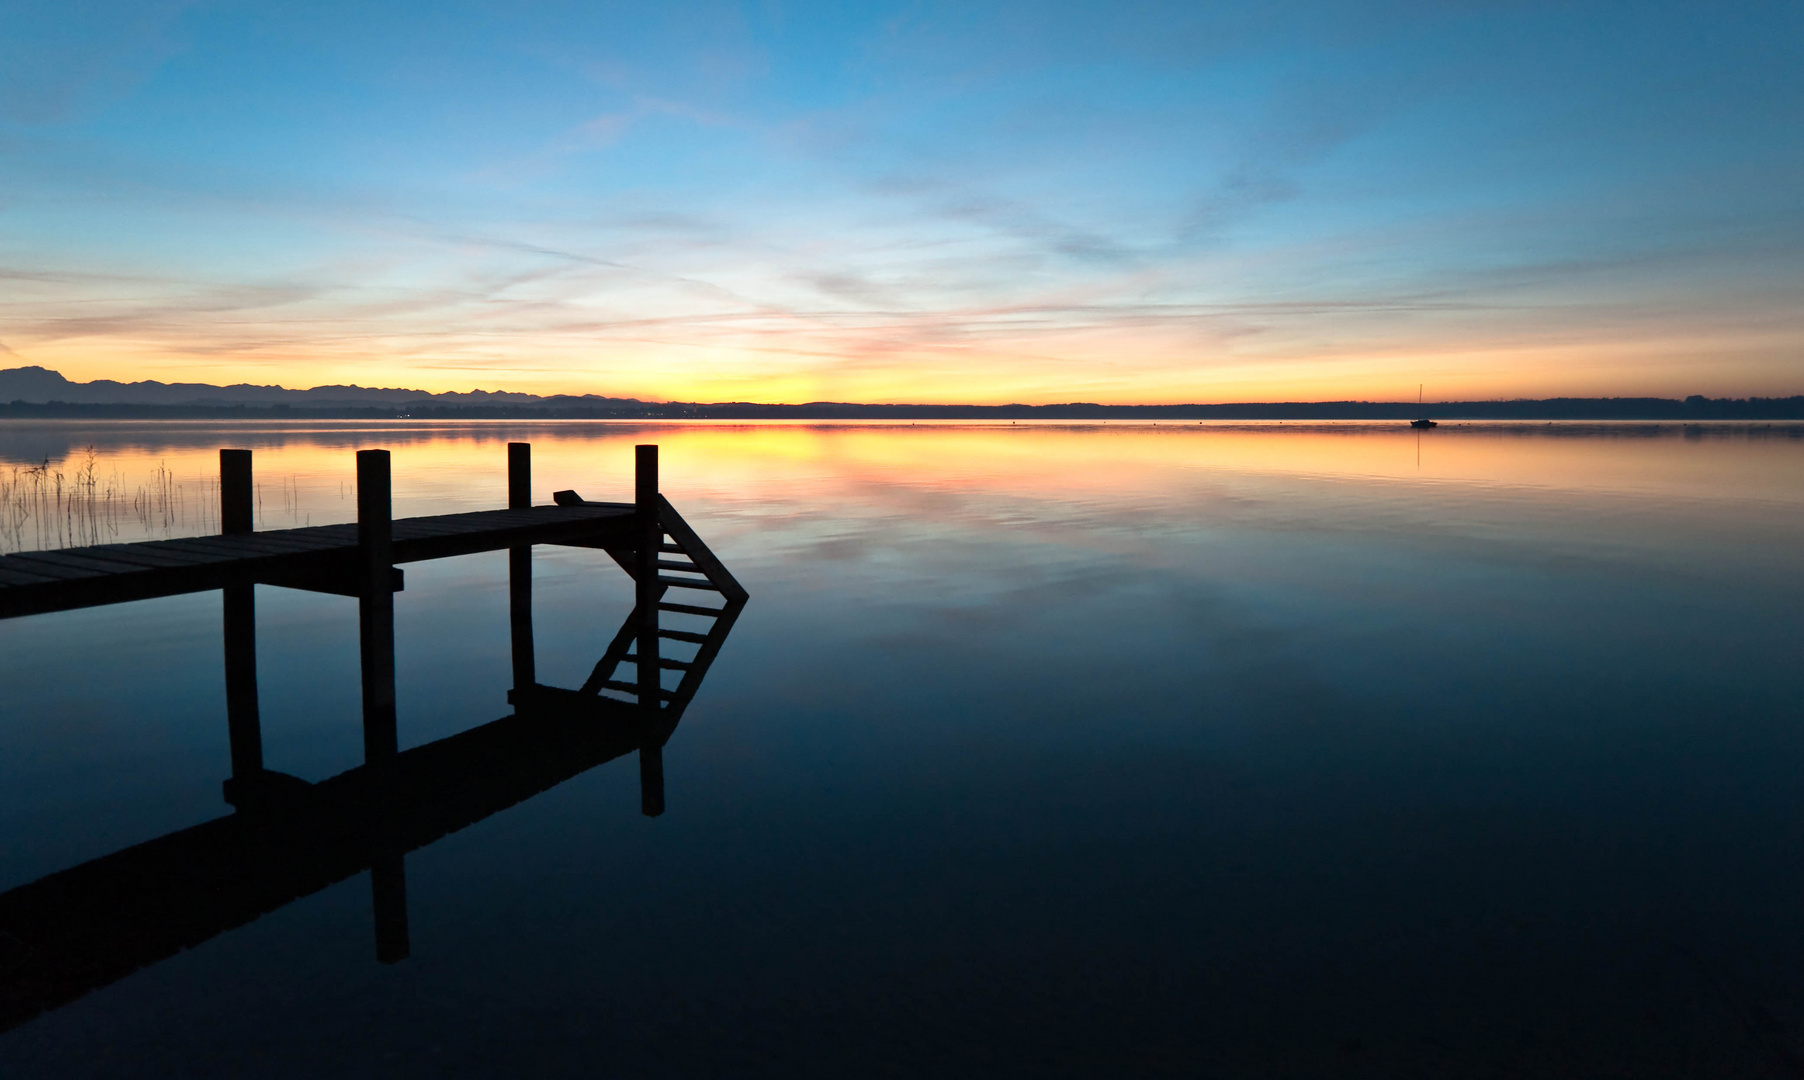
{"type": "Point", "coordinates": [1424, 422]}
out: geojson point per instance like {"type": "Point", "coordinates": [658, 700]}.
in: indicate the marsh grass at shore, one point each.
{"type": "Point", "coordinates": [45, 507]}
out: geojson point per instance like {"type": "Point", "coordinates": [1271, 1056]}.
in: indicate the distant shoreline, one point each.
{"type": "Point", "coordinates": [38, 392]}
{"type": "Point", "coordinates": [1667, 409]}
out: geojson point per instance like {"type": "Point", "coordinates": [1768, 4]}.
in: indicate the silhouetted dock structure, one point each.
{"type": "Point", "coordinates": [82, 928]}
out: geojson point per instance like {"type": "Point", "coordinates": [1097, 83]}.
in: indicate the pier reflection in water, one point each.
{"type": "Point", "coordinates": [85, 927]}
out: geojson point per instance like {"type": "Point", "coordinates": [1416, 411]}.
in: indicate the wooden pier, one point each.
{"type": "Point", "coordinates": [82, 928]}
{"type": "Point", "coordinates": [342, 558]}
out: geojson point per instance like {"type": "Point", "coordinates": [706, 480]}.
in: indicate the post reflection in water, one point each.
{"type": "Point", "coordinates": [80, 929]}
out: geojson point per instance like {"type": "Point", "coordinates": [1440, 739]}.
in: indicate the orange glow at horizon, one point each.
{"type": "Point", "coordinates": [1748, 363]}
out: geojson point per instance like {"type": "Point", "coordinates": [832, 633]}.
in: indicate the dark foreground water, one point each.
{"type": "Point", "coordinates": [1039, 751]}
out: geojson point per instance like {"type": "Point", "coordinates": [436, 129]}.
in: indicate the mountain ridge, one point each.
{"type": "Point", "coordinates": [37, 385]}
{"type": "Point", "coordinates": [39, 391]}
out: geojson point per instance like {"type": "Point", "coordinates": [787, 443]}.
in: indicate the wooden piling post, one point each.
{"type": "Point", "coordinates": [645, 562]}
{"type": "Point", "coordinates": [236, 500]}
{"type": "Point", "coordinates": [376, 605]}
{"type": "Point", "coordinates": [519, 476]}
{"type": "Point", "coordinates": [243, 725]}
{"type": "Point", "coordinates": [649, 590]}
{"type": "Point", "coordinates": [376, 644]}
{"type": "Point", "coordinates": [519, 567]}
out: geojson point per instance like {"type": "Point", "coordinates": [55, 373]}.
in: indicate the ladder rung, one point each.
{"type": "Point", "coordinates": [673, 665]}
{"type": "Point", "coordinates": [684, 635]}
{"type": "Point", "coordinates": [672, 564]}
{"type": "Point", "coordinates": [690, 609]}
{"type": "Point", "coordinates": [633, 688]}
{"type": "Point", "coordinates": [677, 548]}
{"type": "Point", "coordinates": [687, 583]}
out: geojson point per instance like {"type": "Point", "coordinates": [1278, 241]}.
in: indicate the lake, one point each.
{"type": "Point", "coordinates": [1039, 750]}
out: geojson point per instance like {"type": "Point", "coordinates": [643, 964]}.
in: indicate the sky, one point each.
{"type": "Point", "coordinates": [910, 202]}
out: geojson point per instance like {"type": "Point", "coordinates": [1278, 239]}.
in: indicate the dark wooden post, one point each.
{"type": "Point", "coordinates": [519, 476]}
{"type": "Point", "coordinates": [376, 641]}
{"type": "Point", "coordinates": [651, 535]}
{"type": "Point", "coordinates": [650, 591]}
{"type": "Point", "coordinates": [519, 566]}
{"type": "Point", "coordinates": [243, 726]}
{"type": "Point", "coordinates": [236, 501]}
{"type": "Point", "coordinates": [388, 896]}
{"type": "Point", "coordinates": [376, 605]}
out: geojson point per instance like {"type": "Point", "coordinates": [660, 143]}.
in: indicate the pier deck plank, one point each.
{"type": "Point", "coordinates": [64, 578]}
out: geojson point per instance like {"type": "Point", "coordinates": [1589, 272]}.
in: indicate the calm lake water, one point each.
{"type": "Point", "coordinates": [1039, 750]}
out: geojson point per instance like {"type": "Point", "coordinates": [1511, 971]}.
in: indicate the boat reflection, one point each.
{"type": "Point", "coordinates": [83, 928]}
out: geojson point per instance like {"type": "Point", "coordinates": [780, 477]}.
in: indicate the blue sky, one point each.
{"type": "Point", "coordinates": [922, 202]}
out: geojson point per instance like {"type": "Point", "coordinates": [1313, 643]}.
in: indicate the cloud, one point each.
{"type": "Point", "coordinates": [603, 131]}
{"type": "Point", "coordinates": [609, 128]}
